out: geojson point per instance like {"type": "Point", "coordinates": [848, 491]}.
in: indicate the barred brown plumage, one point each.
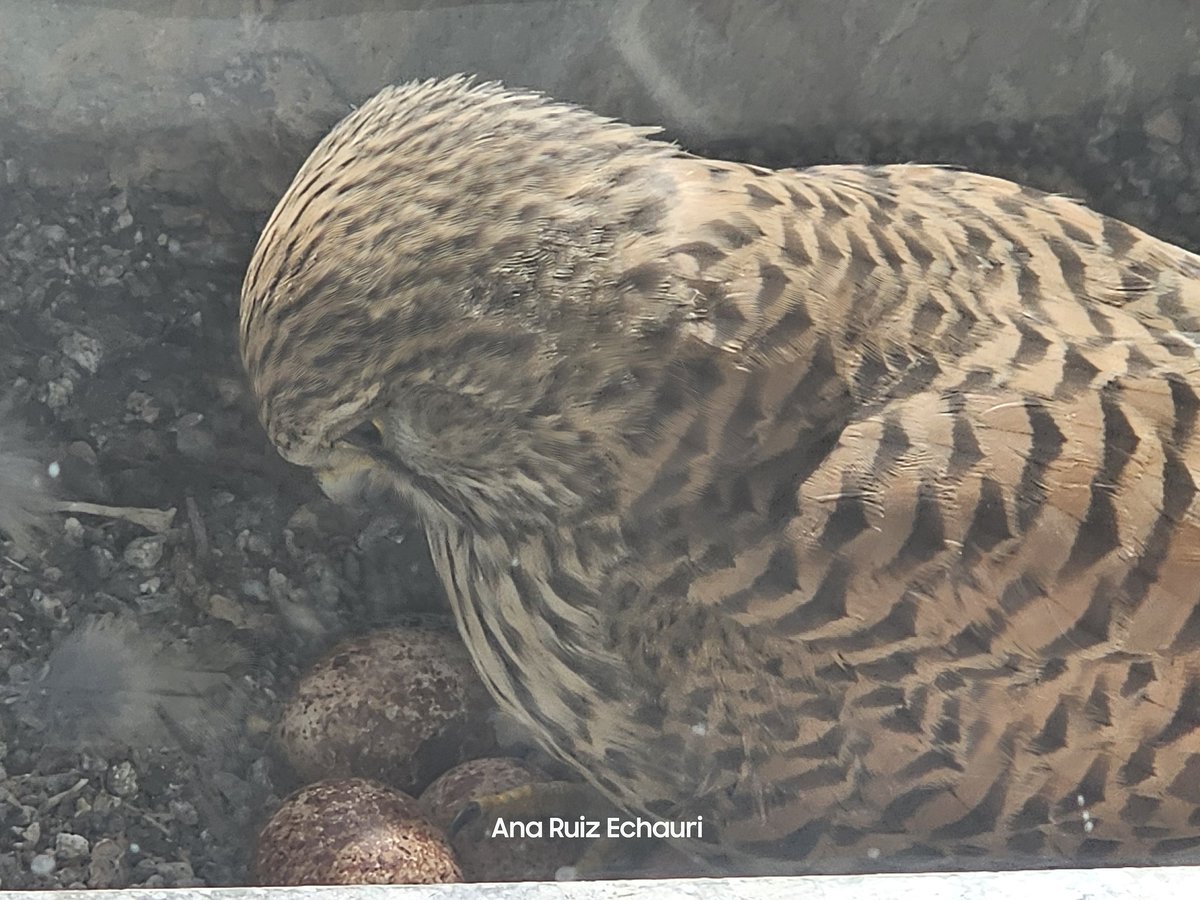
{"type": "Point", "coordinates": [851, 507]}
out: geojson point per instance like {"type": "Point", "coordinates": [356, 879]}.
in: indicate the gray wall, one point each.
{"type": "Point", "coordinates": [218, 100]}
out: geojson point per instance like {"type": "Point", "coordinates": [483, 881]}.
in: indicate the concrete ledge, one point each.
{"type": "Point", "coordinates": [1060, 884]}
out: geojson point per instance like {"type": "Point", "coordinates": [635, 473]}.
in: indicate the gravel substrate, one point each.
{"type": "Point", "coordinates": [143, 759]}
{"type": "Point", "coordinates": [146, 760]}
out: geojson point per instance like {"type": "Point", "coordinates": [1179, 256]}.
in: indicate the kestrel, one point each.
{"type": "Point", "coordinates": [851, 508]}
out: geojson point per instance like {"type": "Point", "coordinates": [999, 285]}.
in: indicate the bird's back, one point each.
{"type": "Point", "coordinates": [935, 530]}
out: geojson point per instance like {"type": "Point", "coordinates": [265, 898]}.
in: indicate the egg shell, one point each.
{"type": "Point", "coordinates": [399, 705]}
{"type": "Point", "coordinates": [352, 831]}
{"type": "Point", "coordinates": [496, 858]}
{"type": "Point", "coordinates": [471, 780]}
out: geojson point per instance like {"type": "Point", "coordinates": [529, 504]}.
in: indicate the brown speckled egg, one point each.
{"type": "Point", "coordinates": [352, 831]}
{"type": "Point", "coordinates": [488, 857]}
{"type": "Point", "coordinates": [400, 705]}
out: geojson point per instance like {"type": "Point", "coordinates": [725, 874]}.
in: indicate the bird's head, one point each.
{"type": "Point", "coordinates": [431, 313]}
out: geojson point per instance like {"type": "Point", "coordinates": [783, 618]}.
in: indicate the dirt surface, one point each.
{"type": "Point", "coordinates": [117, 348]}
{"type": "Point", "coordinates": [147, 759]}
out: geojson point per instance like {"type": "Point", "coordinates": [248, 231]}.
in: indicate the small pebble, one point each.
{"type": "Point", "coordinates": [184, 812]}
{"type": "Point", "coordinates": [83, 350]}
{"type": "Point", "coordinates": [144, 552]}
{"type": "Point", "coordinates": [50, 606]}
{"type": "Point", "coordinates": [73, 530]}
{"type": "Point", "coordinates": [70, 846]}
{"type": "Point", "coordinates": [221, 607]}
{"type": "Point", "coordinates": [106, 867]}
{"type": "Point", "coordinates": [104, 561]}
{"type": "Point", "coordinates": [176, 874]}
{"type": "Point", "coordinates": [142, 406]}
{"type": "Point", "coordinates": [42, 864]}
{"type": "Point", "coordinates": [122, 779]}
{"type": "Point", "coordinates": [59, 392]}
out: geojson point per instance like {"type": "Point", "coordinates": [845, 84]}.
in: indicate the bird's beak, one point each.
{"type": "Point", "coordinates": [349, 479]}
{"type": "Point", "coordinates": [338, 484]}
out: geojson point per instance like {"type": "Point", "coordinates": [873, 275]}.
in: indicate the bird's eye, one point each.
{"type": "Point", "coordinates": [367, 435]}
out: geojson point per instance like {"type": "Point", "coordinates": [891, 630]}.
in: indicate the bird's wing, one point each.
{"type": "Point", "coordinates": [944, 451]}
{"type": "Point", "coordinates": [905, 258]}
{"type": "Point", "coordinates": [939, 520]}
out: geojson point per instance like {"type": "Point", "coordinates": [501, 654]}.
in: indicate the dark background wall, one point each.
{"type": "Point", "coordinates": [219, 100]}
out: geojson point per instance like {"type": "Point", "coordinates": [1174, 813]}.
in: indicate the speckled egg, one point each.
{"type": "Point", "coordinates": [399, 705]}
{"type": "Point", "coordinates": [485, 855]}
{"type": "Point", "coordinates": [352, 831]}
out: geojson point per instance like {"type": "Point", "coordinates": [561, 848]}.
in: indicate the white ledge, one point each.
{"type": "Point", "coordinates": [1059, 884]}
